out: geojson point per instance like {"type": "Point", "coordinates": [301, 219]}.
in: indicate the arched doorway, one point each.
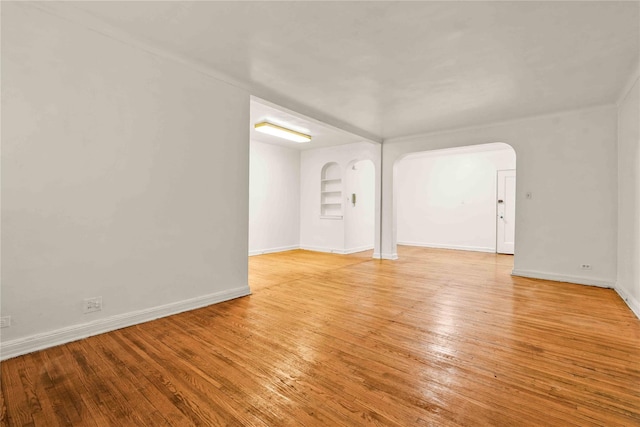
{"type": "Point", "coordinates": [460, 198]}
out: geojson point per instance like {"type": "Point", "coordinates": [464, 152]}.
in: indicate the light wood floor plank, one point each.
{"type": "Point", "coordinates": [436, 338]}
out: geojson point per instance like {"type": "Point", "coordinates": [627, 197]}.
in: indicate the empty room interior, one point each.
{"type": "Point", "coordinates": [320, 213]}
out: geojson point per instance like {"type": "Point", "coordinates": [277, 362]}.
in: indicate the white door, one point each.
{"type": "Point", "coordinates": [506, 212]}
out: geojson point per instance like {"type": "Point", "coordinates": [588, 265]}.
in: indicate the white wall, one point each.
{"type": "Point", "coordinates": [274, 198]}
{"type": "Point", "coordinates": [359, 219]}
{"type": "Point", "coordinates": [447, 198]}
{"type": "Point", "coordinates": [629, 198]}
{"type": "Point", "coordinates": [568, 162]}
{"type": "Point", "coordinates": [124, 175]}
{"type": "Point", "coordinates": [328, 235]}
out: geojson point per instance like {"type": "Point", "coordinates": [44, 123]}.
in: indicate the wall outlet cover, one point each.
{"type": "Point", "coordinates": [89, 305]}
{"type": "Point", "coordinates": [5, 321]}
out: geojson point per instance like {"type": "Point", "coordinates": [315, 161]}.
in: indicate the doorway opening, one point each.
{"type": "Point", "coordinates": [301, 195]}
{"type": "Point", "coordinates": [359, 206]}
{"type": "Point", "coordinates": [506, 212]}
{"type": "Point", "coordinates": [449, 198]}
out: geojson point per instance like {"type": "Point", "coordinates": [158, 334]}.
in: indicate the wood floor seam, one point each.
{"type": "Point", "coordinates": [437, 338]}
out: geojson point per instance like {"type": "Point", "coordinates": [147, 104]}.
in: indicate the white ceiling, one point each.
{"type": "Point", "coordinates": [322, 135]}
{"type": "Point", "coordinates": [389, 69]}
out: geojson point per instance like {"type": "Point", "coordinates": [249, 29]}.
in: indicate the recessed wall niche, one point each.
{"type": "Point", "coordinates": [331, 191]}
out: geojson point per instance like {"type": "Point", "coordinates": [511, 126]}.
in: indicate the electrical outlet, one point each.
{"type": "Point", "coordinates": [585, 266]}
{"type": "Point", "coordinates": [5, 321]}
{"type": "Point", "coordinates": [92, 304]}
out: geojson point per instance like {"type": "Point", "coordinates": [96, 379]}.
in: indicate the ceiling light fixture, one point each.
{"type": "Point", "coordinates": [282, 132]}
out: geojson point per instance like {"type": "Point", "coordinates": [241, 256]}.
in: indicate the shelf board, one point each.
{"type": "Point", "coordinates": [331, 204]}
{"type": "Point", "coordinates": [330, 216]}
{"type": "Point", "coordinates": [331, 191]}
{"type": "Point", "coordinates": [331, 179]}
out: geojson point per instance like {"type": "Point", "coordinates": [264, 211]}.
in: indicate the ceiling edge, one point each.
{"type": "Point", "coordinates": [635, 75]}
{"type": "Point", "coordinates": [299, 111]}
{"type": "Point", "coordinates": [497, 123]}
{"type": "Point", "coordinates": [71, 13]}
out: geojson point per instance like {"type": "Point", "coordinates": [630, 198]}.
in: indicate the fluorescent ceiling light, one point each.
{"type": "Point", "coordinates": [279, 131]}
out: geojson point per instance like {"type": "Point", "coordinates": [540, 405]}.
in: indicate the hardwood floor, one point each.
{"type": "Point", "coordinates": [437, 338]}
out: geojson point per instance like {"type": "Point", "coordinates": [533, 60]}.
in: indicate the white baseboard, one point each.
{"type": "Point", "coordinates": [44, 340]}
{"type": "Point", "coordinates": [392, 256]}
{"type": "Point", "coordinates": [633, 303]}
{"type": "Point", "coordinates": [273, 250]}
{"type": "Point", "coordinates": [358, 249]}
{"type": "Point", "coordinates": [336, 251]}
{"type": "Point", "coordinates": [454, 247]}
{"type": "Point", "coordinates": [322, 249]}
{"type": "Point", "coordinates": [602, 283]}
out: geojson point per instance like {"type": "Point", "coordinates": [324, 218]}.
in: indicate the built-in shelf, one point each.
{"type": "Point", "coordinates": [331, 192]}
{"type": "Point", "coordinates": [330, 216]}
